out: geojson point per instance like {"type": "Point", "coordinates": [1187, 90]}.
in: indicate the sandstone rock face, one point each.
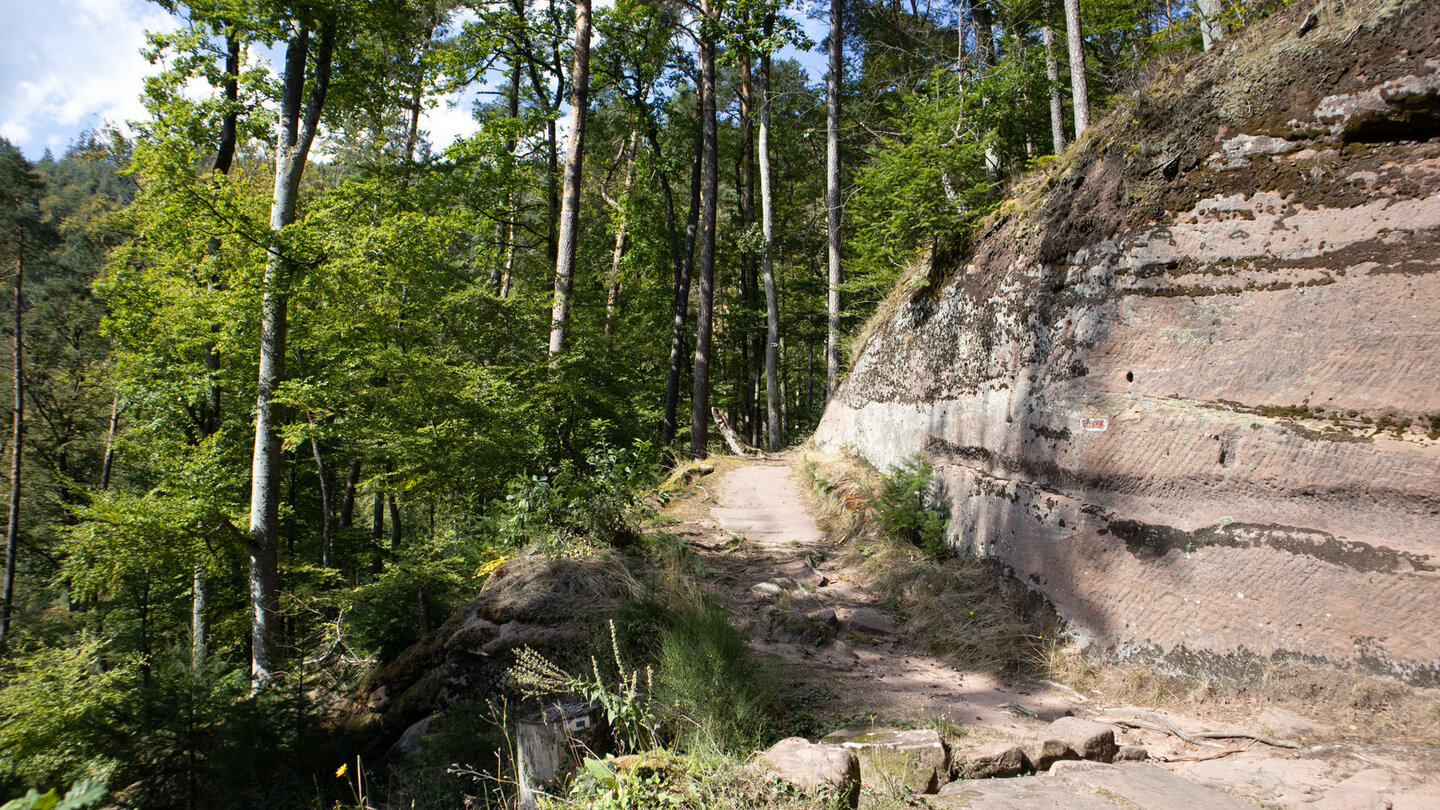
{"type": "Point", "coordinates": [1189, 386]}
{"type": "Point", "coordinates": [809, 766]}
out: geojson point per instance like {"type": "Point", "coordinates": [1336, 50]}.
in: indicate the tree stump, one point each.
{"type": "Point", "coordinates": [546, 746]}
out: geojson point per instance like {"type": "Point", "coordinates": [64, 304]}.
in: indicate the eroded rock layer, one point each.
{"type": "Point", "coordinates": [1188, 383]}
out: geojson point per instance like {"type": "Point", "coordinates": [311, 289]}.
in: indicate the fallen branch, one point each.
{"type": "Point", "coordinates": [1346, 748]}
{"type": "Point", "coordinates": [1063, 688]}
{"type": "Point", "coordinates": [732, 440]}
{"type": "Point", "coordinates": [1155, 722]}
{"type": "Point", "coordinates": [1018, 709]}
{"type": "Point", "coordinates": [1216, 755]}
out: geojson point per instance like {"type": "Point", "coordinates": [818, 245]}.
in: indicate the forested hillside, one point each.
{"type": "Point", "coordinates": [290, 379]}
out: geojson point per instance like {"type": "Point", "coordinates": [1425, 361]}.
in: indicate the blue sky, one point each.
{"type": "Point", "coordinates": [71, 65]}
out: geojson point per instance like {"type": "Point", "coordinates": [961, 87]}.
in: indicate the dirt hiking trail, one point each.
{"type": "Point", "coordinates": [844, 659]}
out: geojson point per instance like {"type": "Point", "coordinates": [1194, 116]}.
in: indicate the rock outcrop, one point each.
{"type": "Point", "coordinates": [1187, 383]}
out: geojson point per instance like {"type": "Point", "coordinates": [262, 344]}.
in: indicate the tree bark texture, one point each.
{"type": "Point", "coordinates": [681, 313]}
{"type": "Point", "coordinates": [1079, 88]}
{"type": "Point", "coordinates": [832, 198]}
{"type": "Point", "coordinates": [1211, 30]}
{"type": "Point", "coordinates": [570, 204]}
{"type": "Point", "coordinates": [347, 502]}
{"type": "Point", "coordinates": [1052, 77]}
{"type": "Point", "coordinates": [293, 139]}
{"type": "Point", "coordinates": [774, 429]}
{"type": "Point", "coordinates": [621, 212]}
{"type": "Point", "coordinates": [17, 435]}
{"type": "Point", "coordinates": [700, 396]}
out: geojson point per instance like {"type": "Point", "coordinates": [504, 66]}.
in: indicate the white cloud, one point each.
{"type": "Point", "coordinates": [66, 65]}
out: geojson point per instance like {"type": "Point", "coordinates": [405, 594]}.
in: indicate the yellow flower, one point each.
{"type": "Point", "coordinates": [340, 771]}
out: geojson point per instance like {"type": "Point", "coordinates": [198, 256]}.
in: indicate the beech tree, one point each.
{"type": "Point", "coordinates": [832, 195]}
{"type": "Point", "coordinates": [574, 165]}
{"type": "Point", "coordinates": [1079, 85]}
{"type": "Point", "coordinates": [708, 24]}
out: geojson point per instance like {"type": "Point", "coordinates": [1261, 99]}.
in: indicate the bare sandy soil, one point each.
{"type": "Point", "coordinates": [760, 549]}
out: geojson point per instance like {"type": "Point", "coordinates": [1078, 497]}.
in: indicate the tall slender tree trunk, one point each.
{"type": "Point", "coordinates": [1079, 88]}
{"type": "Point", "coordinates": [324, 504]}
{"type": "Point", "coordinates": [620, 207]}
{"type": "Point", "coordinates": [985, 56]}
{"type": "Point", "coordinates": [397, 529]}
{"type": "Point", "coordinates": [670, 421]}
{"type": "Point", "coordinates": [1211, 29]}
{"type": "Point", "coordinates": [293, 140]}
{"type": "Point", "coordinates": [211, 418]}
{"type": "Point", "coordinates": [709, 171]}
{"type": "Point", "coordinates": [198, 644]}
{"type": "Point", "coordinates": [774, 427]}
{"type": "Point", "coordinates": [570, 205]}
{"type": "Point", "coordinates": [754, 351]}
{"type": "Point", "coordinates": [347, 502]}
{"type": "Point", "coordinates": [17, 435]}
{"type": "Point", "coordinates": [832, 198]}
{"type": "Point", "coordinates": [501, 283]}
{"type": "Point", "coordinates": [108, 464]}
{"type": "Point", "coordinates": [1052, 77]}
{"type": "Point", "coordinates": [377, 531]}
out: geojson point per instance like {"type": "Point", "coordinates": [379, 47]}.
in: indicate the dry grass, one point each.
{"type": "Point", "coordinates": [965, 610]}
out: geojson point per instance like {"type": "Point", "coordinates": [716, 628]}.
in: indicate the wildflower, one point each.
{"type": "Point", "coordinates": [340, 771]}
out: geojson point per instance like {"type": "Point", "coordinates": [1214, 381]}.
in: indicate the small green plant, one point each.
{"type": "Point", "coordinates": [903, 507]}
{"type": "Point", "coordinates": [626, 702]}
{"type": "Point", "coordinates": [85, 793]}
{"type": "Point", "coordinates": [605, 499]}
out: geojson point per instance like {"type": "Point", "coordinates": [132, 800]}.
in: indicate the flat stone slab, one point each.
{"type": "Point", "coordinates": [1090, 786]}
{"type": "Point", "coordinates": [913, 757]}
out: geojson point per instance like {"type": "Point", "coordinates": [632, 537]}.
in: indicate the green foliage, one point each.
{"type": "Point", "coordinates": [602, 500]}
{"type": "Point", "coordinates": [925, 184]}
{"type": "Point", "coordinates": [627, 702]}
{"type": "Point", "coordinates": [903, 507]}
{"type": "Point", "coordinates": [57, 707]}
{"type": "Point", "coordinates": [85, 793]}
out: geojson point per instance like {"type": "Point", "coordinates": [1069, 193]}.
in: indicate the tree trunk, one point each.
{"type": "Point", "coordinates": [620, 207]}
{"type": "Point", "coordinates": [347, 502]}
{"type": "Point", "coordinates": [377, 531]}
{"type": "Point", "coordinates": [1211, 31]}
{"type": "Point", "coordinates": [1052, 77]}
{"type": "Point", "coordinates": [396, 529]}
{"type": "Point", "coordinates": [17, 434]}
{"type": "Point", "coordinates": [750, 293]}
{"type": "Point", "coordinates": [294, 137]}
{"type": "Point", "coordinates": [700, 397]}
{"type": "Point", "coordinates": [774, 432]}
{"type": "Point", "coordinates": [670, 421]}
{"type": "Point", "coordinates": [512, 104]}
{"type": "Point", "coordinates": [1078, 87]}
{"type": "Point", "coordinates": [984, 33]}
{"type": "Point", "coordinates": [108, 464]}
{"type": "Point", "coordinates": [198, 647]}
{"type": "Point", "coordinates": [570, 205]}
{"type": "Point", "coordinates": [324, 504]}
{"type": "Point", "coordinates": [832, 199]}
